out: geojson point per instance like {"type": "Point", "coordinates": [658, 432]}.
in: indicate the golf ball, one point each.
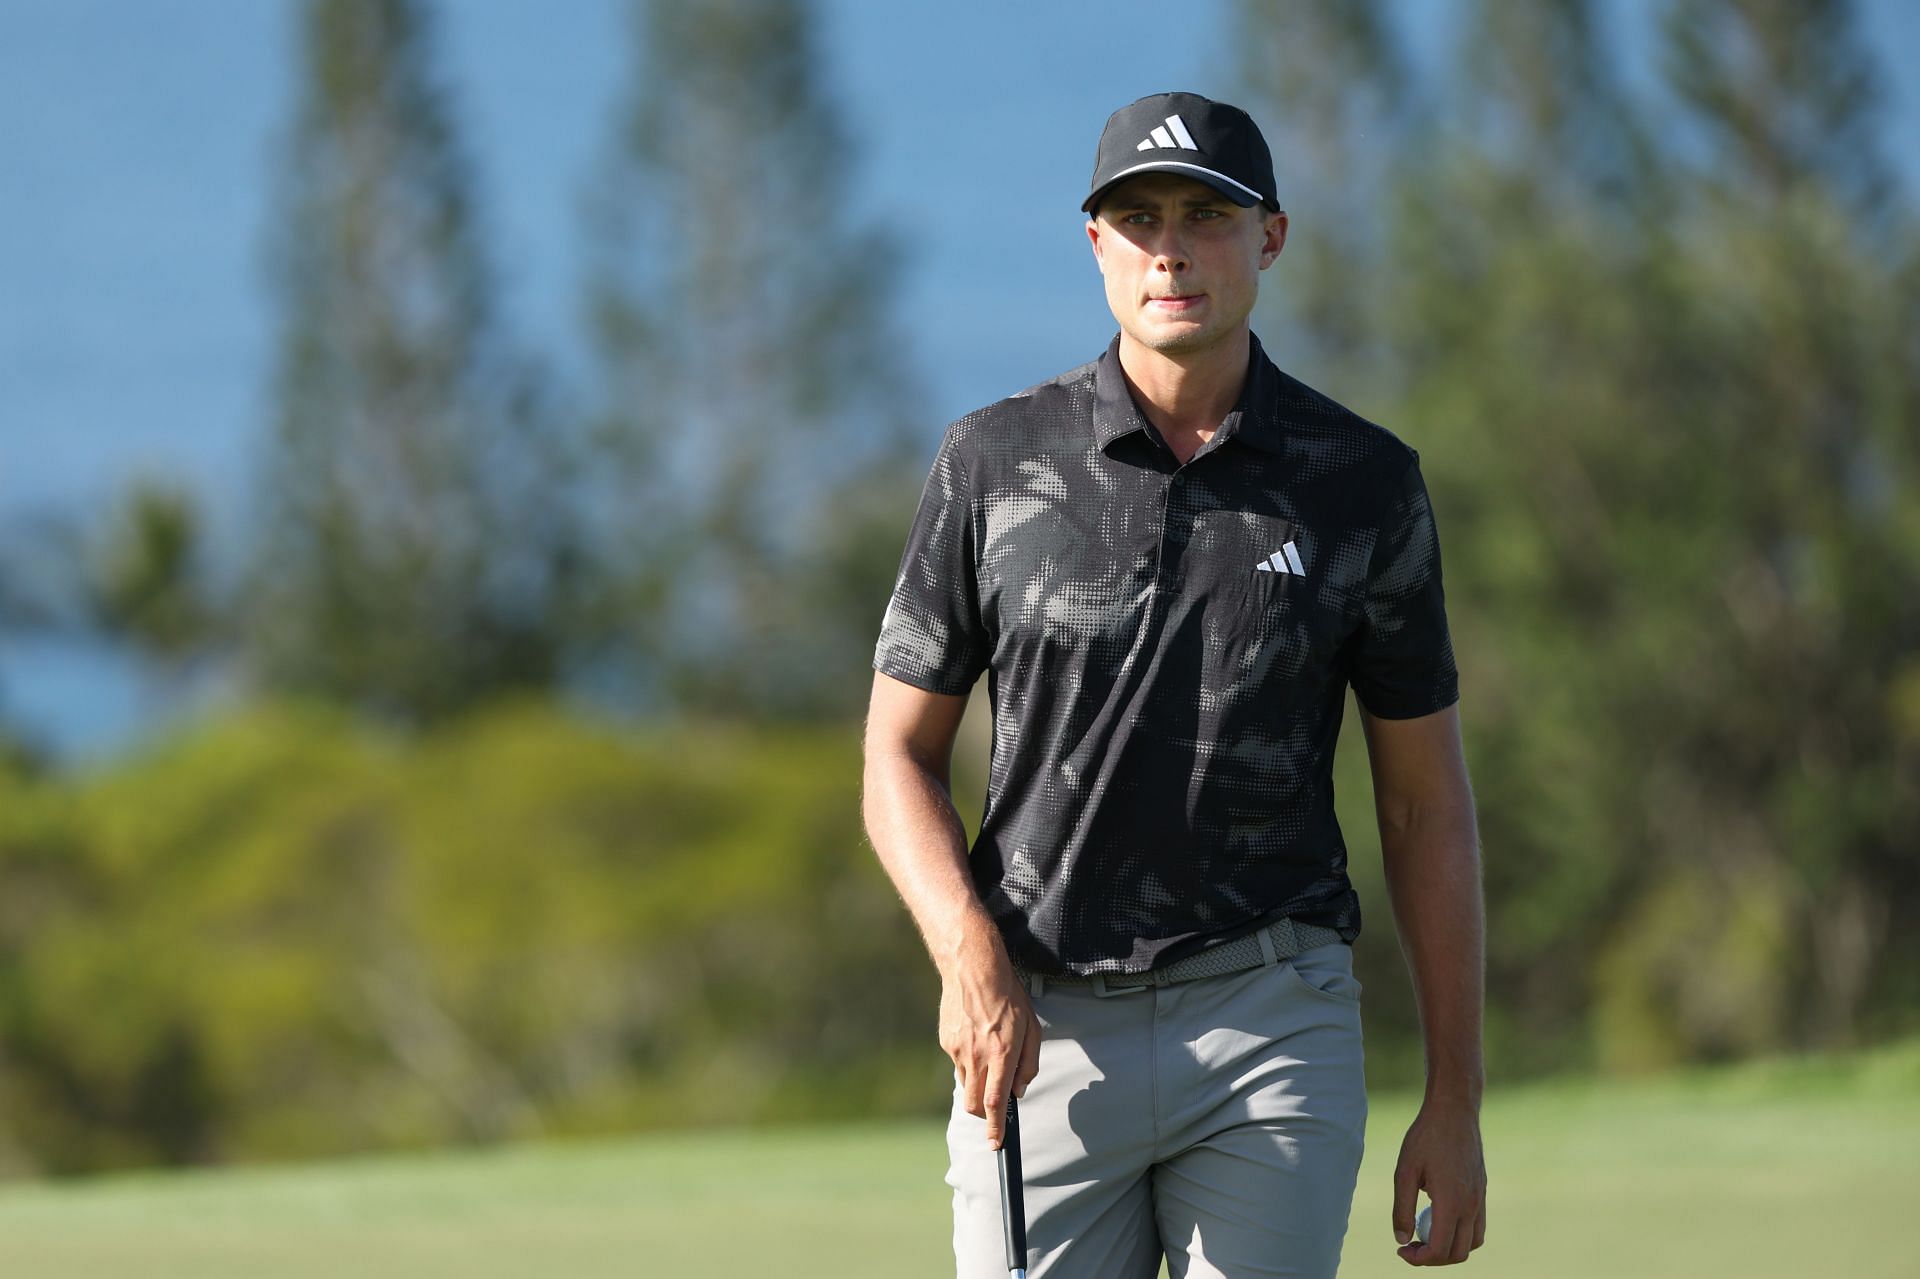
{"type": "Point", "coordinates": [1422, 1224]}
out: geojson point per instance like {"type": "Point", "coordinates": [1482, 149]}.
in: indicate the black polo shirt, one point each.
{"type": "Point", "coordinates": [1167, 650]}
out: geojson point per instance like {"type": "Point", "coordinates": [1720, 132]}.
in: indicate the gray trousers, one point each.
{"type": "Point", "coordinates": [1218, 1122]}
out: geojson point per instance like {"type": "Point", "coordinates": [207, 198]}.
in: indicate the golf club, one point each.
{"type": "Point", "coordinates": [1013, 1207]}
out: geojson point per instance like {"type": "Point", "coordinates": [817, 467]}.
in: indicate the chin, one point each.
{"type": "Point", "coordinates": [1175, 341]}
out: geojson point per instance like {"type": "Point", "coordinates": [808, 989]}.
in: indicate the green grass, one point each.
{"type": "Point", "coordinates": [1772, 1168]}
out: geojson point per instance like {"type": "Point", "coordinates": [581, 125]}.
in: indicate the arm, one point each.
{"type": "Point", "coordinates": [987, 1024]}
{"type": "Point", "coordinates": [1430, 848]}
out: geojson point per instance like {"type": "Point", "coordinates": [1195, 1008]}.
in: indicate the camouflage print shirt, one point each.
{"type": "Point", "coordinates": [1167, 649]}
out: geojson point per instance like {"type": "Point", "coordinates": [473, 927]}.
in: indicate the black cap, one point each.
{"type": "Point", "coordinates": [1185, 134]}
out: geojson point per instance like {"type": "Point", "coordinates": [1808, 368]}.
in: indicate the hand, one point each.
{"type": "Point", "coordinates": [1442, 1155]}
{"type": "Point", "coordinates": [988, 1027]}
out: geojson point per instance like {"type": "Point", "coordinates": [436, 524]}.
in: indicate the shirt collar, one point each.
{"type": "Point", "coordinates": [1255, 419]}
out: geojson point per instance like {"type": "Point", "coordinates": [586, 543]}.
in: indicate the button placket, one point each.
{"type": "Point", "coordinates": [1162, 580]}
{"type": "Point", "coordinates": [1177, 517]}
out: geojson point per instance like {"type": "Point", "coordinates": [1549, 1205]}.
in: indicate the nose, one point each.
{"type": "Point", "coordinates": [1170, 254]}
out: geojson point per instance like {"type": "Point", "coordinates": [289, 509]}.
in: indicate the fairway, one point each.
{"type": "Point", "coordinates": [1770, 1169]}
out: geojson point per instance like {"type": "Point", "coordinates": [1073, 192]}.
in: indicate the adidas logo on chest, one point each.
{"type": "Point", "coordinates": [1284, 560]}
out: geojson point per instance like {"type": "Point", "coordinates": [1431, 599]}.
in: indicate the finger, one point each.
{"type": "Point", "coordinates": [1029, 1061]}
{"type": "Point", "coordinates": [1406, 1188]}
{"type": "Point", "coordinates": [975, 1080]}
{"type": "Point", "coordinates": [995, 1099]}
{"type": "Point", "coordinates": [1438, 1249]}
{"type": "Point", "coordinates": [1459, 1243]}
{"type": "Point", "coordinates": [1446, 1224]}
{"type": "Point", "coordinates": [1480, 1225]}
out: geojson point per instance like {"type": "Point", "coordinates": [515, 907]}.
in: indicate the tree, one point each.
{"type": "Point", "coordinates": [752, 379]}
{"type": "Point", "coordinates": [416, 550]}
{"type": "Point", "coordinates": [1785, 96]}
{"type": "Point", "coordinates": [1801, 391]}
{"type": "Point", "coordinates": [149, 584]}
{"type": "Point", "coordinates": [1342, 107]}
{"type": "Point", "coordinates": [1664, 382]}
{"type": "Point", "coordinates": [1542, 86]}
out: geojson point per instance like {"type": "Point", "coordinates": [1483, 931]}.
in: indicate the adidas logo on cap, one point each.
{"type": "Point", "coordinates": [1171, 134]}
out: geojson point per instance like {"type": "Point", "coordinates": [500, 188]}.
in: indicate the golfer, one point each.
{"type": "Point", "coordinates": [1170, 563]}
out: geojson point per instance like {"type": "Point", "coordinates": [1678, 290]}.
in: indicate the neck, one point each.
{"type": "Point", "coordinates": [1187, 393]}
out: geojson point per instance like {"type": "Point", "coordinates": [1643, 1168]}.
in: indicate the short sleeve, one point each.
{"type": "Point", "coordinates": [1403, 659]}
{"type": "Point", "coordinates": [931, 635]}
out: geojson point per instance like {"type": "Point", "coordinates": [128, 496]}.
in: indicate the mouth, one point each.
{"type": "Point", "coordinates": [1176, 303]}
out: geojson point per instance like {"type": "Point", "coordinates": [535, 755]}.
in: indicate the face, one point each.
{"type": "Point", "coordinates": [1182, 262]}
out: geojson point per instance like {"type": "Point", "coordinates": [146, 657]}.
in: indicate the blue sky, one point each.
{"type": "Point", "coordinates": [136, 330]}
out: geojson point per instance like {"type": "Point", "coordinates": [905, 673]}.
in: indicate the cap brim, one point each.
{"type": "Point", "coordinates": [1241, 194]}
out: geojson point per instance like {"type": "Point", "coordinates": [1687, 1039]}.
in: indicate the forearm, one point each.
{"type": "Point", "coordinates": [1432, 862]}
{"type": "Point", "coordinates": [922, 845]}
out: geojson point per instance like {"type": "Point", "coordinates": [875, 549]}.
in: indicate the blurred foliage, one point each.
{"type": "Point", "coordinates": [1658, 356]}
{"type": "Point", "coordinates": [147, 581]}
{"type": "Point", "coordinates": [287, 935]}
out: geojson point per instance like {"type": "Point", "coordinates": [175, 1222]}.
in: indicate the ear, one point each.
{"type": "Point", "coordinates": [1273, 238]}
{"type": "Point", "coordinates": [1093, 237]}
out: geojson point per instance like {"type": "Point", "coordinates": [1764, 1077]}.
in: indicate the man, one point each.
{"type": "Point", "coordinates": [1170, 563]}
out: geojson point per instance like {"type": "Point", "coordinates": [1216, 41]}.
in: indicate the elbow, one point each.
{"type": "Point", "coordinates": [889, 759]}
{"type": "Point", "coordinates": [1447, 812]}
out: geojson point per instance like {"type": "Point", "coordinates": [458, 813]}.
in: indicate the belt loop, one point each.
{"type": "Point", "coordinates": [1268, 958]}
{"type": "Point", "coordinates": [1036, 985]}
{"type": "Point", "coordinates": [1109, 990]}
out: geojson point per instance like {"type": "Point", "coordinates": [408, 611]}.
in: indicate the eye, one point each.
{"type": "Point", "coordinates": [1138, 219]}
{"type": "Point", "coordinates": [1208, 215]}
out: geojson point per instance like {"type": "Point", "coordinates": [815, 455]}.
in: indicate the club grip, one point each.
{"type": "Point", "coordinates": [1013, 1205]}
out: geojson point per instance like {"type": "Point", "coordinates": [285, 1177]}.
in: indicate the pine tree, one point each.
{"type": "Point", "coordinates": [1542, 86]}
{"type": "Point", "coordinates": [752, 378]}
{"type": "Point", "coordinates": [1786, 96]}
{"type": "Point", "coordinates": [1335, 91]}
{"type": "Point", "coordinates": [415, 553]}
